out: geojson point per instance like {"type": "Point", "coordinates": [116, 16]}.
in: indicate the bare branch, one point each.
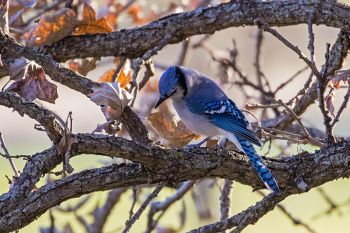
{"type": "Point", "coordinates": [246, 217]}
{"type": "Point", "coordinates": [225, 199]}
{"type": "Point", "coordinates": [143, 206]}
{"type": "Point", "coordinates": [102, 213]}
{"type": "Point", "coordinates": [46, 118]}
{"type": "Point", "coordinates": [313, 169]}
{"type": "Point", "coordinates": [200, 21]}
{"type": "Point", "coordinates": [7, 155]}
{"type": "Point", "coordinates": [263, 25]}
{"type": "Point", "coordinates": [342, 107]}
{"type": "Point", "coordinates": [164, 205]}
{"type": "Point", "coordinates": [294, 220]}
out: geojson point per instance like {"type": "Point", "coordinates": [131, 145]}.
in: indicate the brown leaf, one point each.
{"type": "Point", "coordinates": [340, 75]}
{"type": "Point", "coordinates": [18, 68]}
{"type": "Point", "coordinates": [138, 17]}
{"type": "Point", "coordinates": [172, 130]}
{"type": "Point", "coordinates": [27, 3]}
{"type": "Point", "coordinates": [63, 149]}
{"type": "Point", "coordinates": [110, 94]}
{"type": "Point", "coordinates": [52, 28]}
{"type": "Point", "coordinates": [90, 25]}
{"type": "Point", "coordinates": [83, 67]}
{"type": "Point", "coordinates": [124, 76]}
{"type": "Point", "coordinates": [112, 99]}
{"type": "Point", "coordinates": [107, 76]}
{"type": "Point", "coordinates": [110, 127]}
{"type": "Point", "coordinates": [35, 85]}
{"type": "Point", "coordinates": [111, 11]}
{"type": "Point", "coordinates": [330, 100]}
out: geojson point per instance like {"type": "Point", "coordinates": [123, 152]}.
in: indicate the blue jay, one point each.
{"type": "Point", "coordinates": [206, 110]}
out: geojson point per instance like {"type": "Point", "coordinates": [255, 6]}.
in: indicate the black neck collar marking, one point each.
{"type": "Point", "coordinates": [182, 79]}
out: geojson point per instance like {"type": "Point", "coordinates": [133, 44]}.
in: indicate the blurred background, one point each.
{"type": "Point", "coordinates": [278, 64]}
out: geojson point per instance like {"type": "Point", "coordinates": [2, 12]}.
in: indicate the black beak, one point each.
{"type": "Point", "coordinates": [161, 99]}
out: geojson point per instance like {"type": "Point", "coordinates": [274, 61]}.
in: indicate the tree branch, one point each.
{"type": "Point", "coordinates": [174, 166]}
{"type": "Point", "coordinates": [45, 117]}
{"type": "Point", "coordinates": [200, 21]}
{"type": "Point", "coordinates": [72, 80]}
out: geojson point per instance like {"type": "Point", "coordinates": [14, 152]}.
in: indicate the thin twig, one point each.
{"type": "Point", "coordinates": [225, 199]}
{"type": "Point", "coordinates": [7, 155]}
{"type": "Point", "coordinates": [149, 72]}
{"type": "Point", "coordinates": [119, 68]}
{"type": "Point", "coordinates": [306, 133]}
{"type": "Point", "coordinates": [321, 88]}
{"type": "Point", "coordinates": [143, 206]}
{"type": "Point", "coordinates": [342, 107]}
{"type": "Point", "coordinates": [184, 52]}
{"type": "Point", "coordinates": [294, 48]}
{"type": "Point", "coordinates": [164, 205]}
{"type": "Point", "coordinates": [282, 85]}
{"type": "Point", "coordinates": [295, 220]}
{"type": "Point", "coordinates": [249, 216]}
{"type": "Point", "coordinates": [134, 200]}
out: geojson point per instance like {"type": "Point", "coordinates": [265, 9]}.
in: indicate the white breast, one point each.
{"type": "Point", "coordinates": [196, 123]}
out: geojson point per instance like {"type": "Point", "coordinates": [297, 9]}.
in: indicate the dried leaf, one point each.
{"type": "Point", "coordinates": [35, 85]}
{"type": "Point", "coordinates": [340, 75]}
{"type": "Point", "coordinates": [84, 67]}
{"type": "Point", "coordinates": [63, 149]}
{"type": "Point", "coordinates": [18, 68]}
{"type": "Point", "coordinates": [137, 13]}
{"type": "Point", "coordinates": [110, 94]}
{"type": "Point", "coordinates": [110, 11]}
{"type": "Point", "coordinates": [172, 130]}
{"type": "Point", "coordinates": [110, 127]}
{"type": "Point", "coordinates": [15, 17]}
{"type": "Point", "coordinates": [15, 14]}
{"type": "Point", "coordinates": [52, 28]}
{"type": "Point", "coordinates": [107, 76]}
{"type": "Point", "coordinates": [330, 100]}
{"type": "Point", "coordinates": [124, 76]}
{"type": "Point", "coordinates": [90, 25]}
{"type": "Point", "coordinates": [27, 3]}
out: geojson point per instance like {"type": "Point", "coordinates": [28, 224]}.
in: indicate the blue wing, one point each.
{"type": "Point", "coordinates": [225, 115]}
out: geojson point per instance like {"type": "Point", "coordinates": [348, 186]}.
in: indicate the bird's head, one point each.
{"type": "Point", "coordinates": [172, 83]}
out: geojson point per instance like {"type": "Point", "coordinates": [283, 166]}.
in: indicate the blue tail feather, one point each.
{"type": "Point", "coordinates": [259, 165]}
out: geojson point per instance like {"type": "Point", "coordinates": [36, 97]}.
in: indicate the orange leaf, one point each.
{"type": "Point", "coordinates": [84, 67]}
{"type": "Point", "coordinates": [138, 17]}
{"type": "Point", "coordinates": [124, 77]}
{"type": "Point", "coordinates": [107, 76]}
{"type": "Point", "coordinates": [52, 28]}
{"type": "Point", "coordinates": [172, 130]}
{"type": "Point", "coordinates": [91, 25]}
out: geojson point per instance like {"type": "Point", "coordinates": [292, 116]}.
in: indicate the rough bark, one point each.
{"type": "Point", "coordinates": [174, 166]}
{"type": "Point", "coordinates": [135, 42]}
